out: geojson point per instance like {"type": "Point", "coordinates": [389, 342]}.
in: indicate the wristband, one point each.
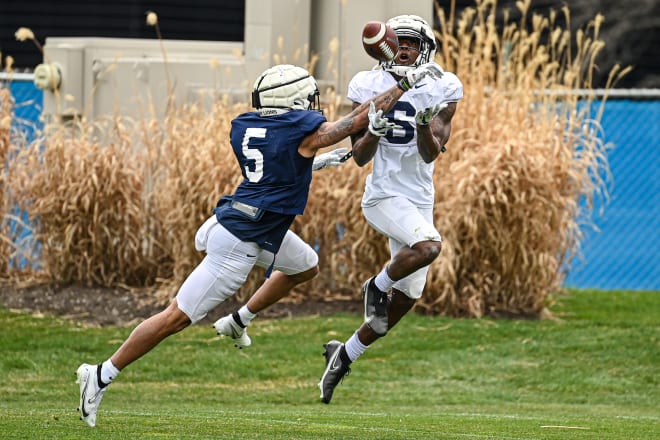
{"type": "Point", "coordinates": [403, 84]}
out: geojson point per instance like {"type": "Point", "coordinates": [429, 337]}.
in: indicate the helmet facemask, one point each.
{"type": "Point", "coordinates": [286, 87]}
{"type": "Point", "coordinates": [416, 28]}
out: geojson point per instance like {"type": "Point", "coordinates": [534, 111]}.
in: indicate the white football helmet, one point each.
{"type": "Point", "coordinates": [286, 87]}
{"type": "Point", "coordinates": [412, 26]}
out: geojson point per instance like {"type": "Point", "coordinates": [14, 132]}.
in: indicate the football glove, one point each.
{"type": "Point", "coordinates": [379, 125]}
{"type": "Point", "coordinates": [424, 117]}
{"type": "Point", "coordinates": [413, 76]}
{"type": "Point", "coordinates": [329, 159]}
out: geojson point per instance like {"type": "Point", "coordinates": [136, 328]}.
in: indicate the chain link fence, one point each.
{"type": "Point", "coordinates": [622, 251]}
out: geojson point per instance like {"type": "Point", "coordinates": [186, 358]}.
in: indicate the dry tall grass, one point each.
{"type": "Point", "coordinates": [125, 212]}
{"type": "Point", "coordinates": [519, 161]}
{"type": "Point", "coordinates": [6, 241]}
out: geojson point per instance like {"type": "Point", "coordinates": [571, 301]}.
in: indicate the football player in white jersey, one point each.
{"type": "Point", "coordinates": [399, 193]}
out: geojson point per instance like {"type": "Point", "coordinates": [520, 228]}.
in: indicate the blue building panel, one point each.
{"type": "Point", "coordinates": [624, 253]}
{"type": "Point", "coordinates": [28, 104]}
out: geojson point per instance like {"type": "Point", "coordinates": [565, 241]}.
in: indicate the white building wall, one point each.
{"type": "Point", "coordinates": [129, 77]}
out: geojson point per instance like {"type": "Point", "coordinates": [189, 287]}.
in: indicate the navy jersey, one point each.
{"type": "Point", "coordinates": [276, 177]}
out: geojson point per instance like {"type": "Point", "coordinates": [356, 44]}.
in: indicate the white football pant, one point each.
{"type": "Point", "coordinates": [227, 264]}
{"type": "Point", "coordinates": [404, 224]}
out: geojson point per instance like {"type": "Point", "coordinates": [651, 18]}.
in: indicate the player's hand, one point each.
{"type": "Point", "coordinates": [414, 76]}
{"type": "Point", "coordinates": [329, 159]}
{"type": "Point", "coordinates": [378, 124]}
{"type": "Point", "coordinates": [424, 117]}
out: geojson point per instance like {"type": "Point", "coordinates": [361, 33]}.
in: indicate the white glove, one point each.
{"type": "Point", "coordinates": [424, 117]}
{"type": "Point", "coordinates": [413, 76]}
{"type": "Point", "coordinates": [379, 125]}
{"type": "Point", "coordinates": [329, 159]}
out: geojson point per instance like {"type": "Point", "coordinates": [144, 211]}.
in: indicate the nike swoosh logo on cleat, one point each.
{"type": "Point", "coordinates": [334, 365]}
{"type": "Point", "coordinates": [82, 405]}
{"type": "Point", "coordinates": [235, 333]}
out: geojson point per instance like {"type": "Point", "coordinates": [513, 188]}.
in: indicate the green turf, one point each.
{"type": "Point", "coordinates": [591, 374]}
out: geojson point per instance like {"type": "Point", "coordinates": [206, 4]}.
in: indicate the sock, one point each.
{"type": "Point", "coordinates": [246, 315]}
{"type": "Point", "coordinates": [108, 372]}
{"type": "Point", "coordinates": [383, 282]}
{"type": "Point", "coordinates": [354, 347]}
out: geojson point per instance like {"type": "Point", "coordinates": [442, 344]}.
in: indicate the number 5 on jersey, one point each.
{"type": "Point", "coordinates": [253, 154]}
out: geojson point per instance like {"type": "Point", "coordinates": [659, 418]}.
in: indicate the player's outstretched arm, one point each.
{"type": "Point", "coordinates": [329, 133]}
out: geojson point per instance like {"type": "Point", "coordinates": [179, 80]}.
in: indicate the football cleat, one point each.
{"type": "Point", "coordinates": [335, 369]}
{"type": "Point", "coordinates": [91, 392]}
{"type": "Point", "coordinates": [228, 326]}
{"type": "Point", "coordinates": [375, 308]}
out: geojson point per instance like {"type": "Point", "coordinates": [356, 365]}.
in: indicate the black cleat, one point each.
{"type": "Point", "coordinates": [335, 369]}
{"type": "Point", "coordinates": [375, 307]}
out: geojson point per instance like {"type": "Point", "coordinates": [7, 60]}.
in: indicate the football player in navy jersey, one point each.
{"type": "Point", "coordinates": [275, 147]}
{"type": "Point", "coordinates": [399, 194]}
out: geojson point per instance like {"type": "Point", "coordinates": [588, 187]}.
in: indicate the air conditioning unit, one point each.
{"type": "Point", "coordinates": [93, 77]}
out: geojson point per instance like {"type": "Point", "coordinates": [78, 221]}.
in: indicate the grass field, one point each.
{"type": "Point", "coordinates": [591, 374]}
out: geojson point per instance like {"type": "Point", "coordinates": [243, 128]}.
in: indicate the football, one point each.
{"type": "Point", "coordinates": [379, 41]}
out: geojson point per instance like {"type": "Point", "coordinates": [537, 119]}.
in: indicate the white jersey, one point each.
{"type": "Point", "coordinates": [398, 168]}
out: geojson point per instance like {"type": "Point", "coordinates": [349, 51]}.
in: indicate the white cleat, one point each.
{"type": "Point", "coordinates": [228, 326]}
{"type": "Point", "coordinates": [91, 392]}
